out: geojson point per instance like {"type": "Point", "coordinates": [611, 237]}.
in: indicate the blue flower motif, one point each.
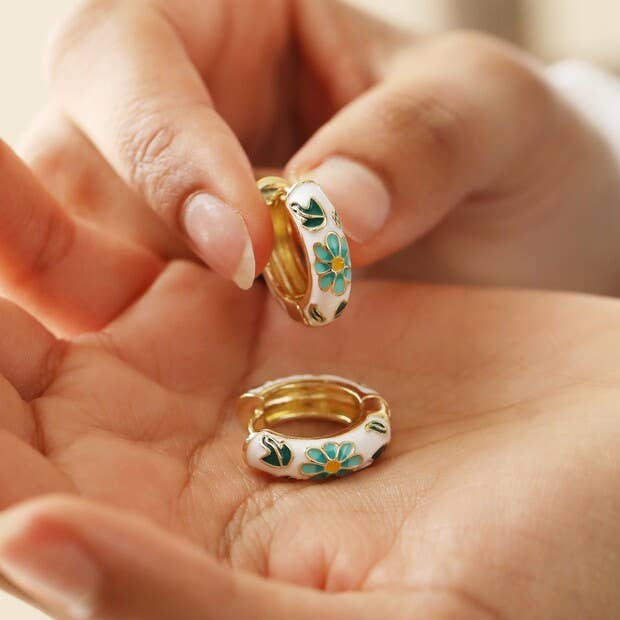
{"type": "Point", "coordinates": [333, 264]}
{"type": "Point", "coordinates": [331, 460]}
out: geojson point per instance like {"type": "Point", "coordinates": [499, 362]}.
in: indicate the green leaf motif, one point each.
{"type": "Point", "coordinates": [379, 452]}
{"type": "Point", "coordinates": [312, 217]}
{"type": "Point", "coordinates": [278, 453]}
{"type": "Point", "coordinates": [315, 314]}
{"type": "Point", "coordinates": [377, 426]}
{"type": "Point", "coordinates": [340, 309]}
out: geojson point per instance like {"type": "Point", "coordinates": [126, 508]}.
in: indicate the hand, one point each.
{"type": "Point", "coordinates": [498, 496]}
{"type": "Point", "coordinates": [454, 141]}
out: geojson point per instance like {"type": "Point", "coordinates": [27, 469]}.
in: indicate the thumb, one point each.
{"type": "Point", "coordinates": [395, 161]}
{"type": "Point", "coordinates": [82, 560]}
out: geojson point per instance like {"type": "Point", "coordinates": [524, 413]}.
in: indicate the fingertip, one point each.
{"type": "Point", "coordinates": [34, 515]}
{"type": "Point", "coordinates": [246, 271]}
{"type": "Point", "coordinates": [45, 561]}
{"type": "Point", "coordinates": [220, 236]}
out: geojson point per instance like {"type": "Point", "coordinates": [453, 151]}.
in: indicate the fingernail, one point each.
{"type": "Point", "coordinates": [359, 195]}
{"type": "Point", "coordinates": [220, 238]}
{"type": "Point", "coordinates": [53, 570]}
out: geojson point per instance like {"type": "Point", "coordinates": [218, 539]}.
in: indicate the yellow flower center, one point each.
{"type": "Point", "coordinates": [332, 467]}
{"type": "Point", "coordinates": [338, 264]}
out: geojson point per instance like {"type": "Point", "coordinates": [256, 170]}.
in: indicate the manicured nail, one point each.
{"type": "Point", "coordinates": [359, 195]}
{"type": "Point", "coordinates": [220, 238]}
{"type": "Point", "coordinates": [53, 570]}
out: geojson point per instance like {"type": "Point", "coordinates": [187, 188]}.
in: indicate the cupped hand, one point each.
{"type": "Point", "coordinates": [497, 498]}
{"type": "Point", "coordinates": [455, 141]}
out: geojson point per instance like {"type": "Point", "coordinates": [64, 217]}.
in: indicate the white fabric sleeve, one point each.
{"type": "Point", "coordinates": [594, 92]}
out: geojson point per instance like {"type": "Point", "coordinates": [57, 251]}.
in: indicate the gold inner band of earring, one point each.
{"type": "Point", "coordinates": [307, 400]}
{"type": "Point", "coordinates": [288, 269]}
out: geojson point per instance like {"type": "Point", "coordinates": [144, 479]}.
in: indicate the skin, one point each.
{"type": "Point", "coordinates": [496, 498]}
{"type": "Point", "coordinates": [492, 175]}
{"type": "Point", "coordinates": [497, 494]}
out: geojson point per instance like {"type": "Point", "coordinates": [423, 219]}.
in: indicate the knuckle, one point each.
{"type": "Point", "coordinates": [494, 60]}
{"type": "Point", "coordinates": [54, 239]}
{"type": "Point", "coordinates": [147, 150]}
{"type": "Point", "coordinates": [428, 121]}
{"type": "Point", "coordinates": [49, 233]}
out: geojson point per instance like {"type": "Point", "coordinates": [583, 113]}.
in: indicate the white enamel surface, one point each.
{"type": "Point", "coordinates": [366, 442]}
{"type": "Point", "coordinates": [326, 301]}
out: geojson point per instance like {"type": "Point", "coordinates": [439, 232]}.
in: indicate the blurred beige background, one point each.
{"type": "Point", "coordinates": [552, 29]}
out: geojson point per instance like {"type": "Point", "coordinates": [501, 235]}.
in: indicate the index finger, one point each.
{"type": "Point", "coordinates": [124, 72]}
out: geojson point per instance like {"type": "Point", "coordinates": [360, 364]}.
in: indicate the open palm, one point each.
{"type": "Point", "coordinates": [496, 495]}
